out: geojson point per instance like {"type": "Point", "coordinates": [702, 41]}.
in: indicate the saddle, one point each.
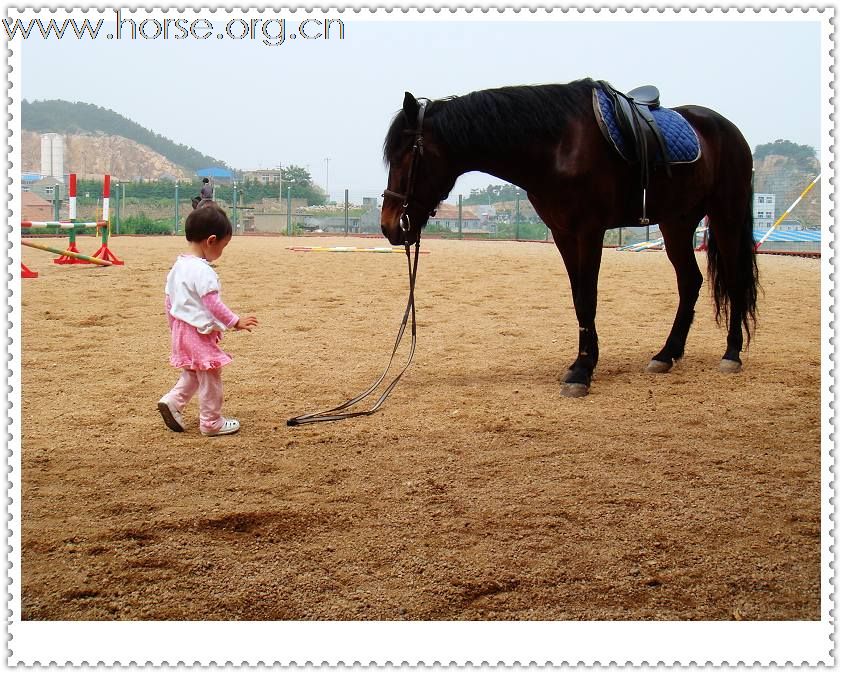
{"type": "Point", "coordinates": [628, 121]}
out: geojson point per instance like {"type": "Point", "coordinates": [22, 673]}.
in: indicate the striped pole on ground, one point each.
{"type": "Point", "coordinates": [61, 224]}
{"type": "Point", "coordinates": [69, 253]}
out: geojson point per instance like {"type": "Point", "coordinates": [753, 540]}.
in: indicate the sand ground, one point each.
{"type": "Point", "coordinates": [477, 492]}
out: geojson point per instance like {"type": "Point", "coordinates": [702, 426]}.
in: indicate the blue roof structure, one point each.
{"type": "Point", "coordinates": [790, 235]}
{"type": "Point", "coordinates": [214, 172]}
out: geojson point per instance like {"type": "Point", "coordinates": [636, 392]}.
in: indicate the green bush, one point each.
{"type": "Point", "coordinates": [524, 231]}
{"type": "Point", "coordinates": [142, 224]}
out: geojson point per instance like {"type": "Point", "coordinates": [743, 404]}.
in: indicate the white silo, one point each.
{"type": "Point", "coordinates": [52, 155]}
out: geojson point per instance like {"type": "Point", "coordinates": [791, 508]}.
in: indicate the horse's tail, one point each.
{"type": "Point", "coordinates": [733, 271]}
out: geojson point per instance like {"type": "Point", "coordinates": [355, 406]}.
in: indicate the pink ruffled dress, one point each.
{"type": "Point", "coordinates": [195, 288]}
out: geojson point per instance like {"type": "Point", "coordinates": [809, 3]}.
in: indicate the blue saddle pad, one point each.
{"type": "Point", "coordinates": [680, 138]}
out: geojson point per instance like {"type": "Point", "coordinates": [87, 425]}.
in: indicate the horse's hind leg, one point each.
{"type": "Point", "coordinates": [678, 242]}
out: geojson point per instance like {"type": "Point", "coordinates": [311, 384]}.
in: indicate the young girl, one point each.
{"type": "Point", "coordinates": [197, 318]}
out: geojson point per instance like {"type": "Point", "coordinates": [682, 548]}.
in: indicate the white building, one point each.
{"type": "Point", "coordinates": [52, 155]}
{"type": "Point", "coordinates": [262, 176]}
{"type": "Point", "coordinates": [764, 210]}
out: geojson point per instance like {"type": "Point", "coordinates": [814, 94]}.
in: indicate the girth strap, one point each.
{"type": "Point", "coordinates": [642, 133]}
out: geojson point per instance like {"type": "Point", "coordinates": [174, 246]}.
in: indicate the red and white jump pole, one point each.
{"type": "Point", "coordinates": [106, 196]}
{"type": "Point", "coordinates": [103, 256]}
{"type": "Point", "coordinates": [104, 253]}
{"type": "Point", "coordinates": [72, 196]}
{"type": "Point", "coordinates": [74, 258]}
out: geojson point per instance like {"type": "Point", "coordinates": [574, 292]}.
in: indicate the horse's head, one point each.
{"type": "Point", "coordinates": [418, 174]}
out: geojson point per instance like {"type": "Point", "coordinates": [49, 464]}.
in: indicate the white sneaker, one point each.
{"type": "Point", "coordinates": [228, 427]}
{"type": "Point", "coordinates": [172, 417]}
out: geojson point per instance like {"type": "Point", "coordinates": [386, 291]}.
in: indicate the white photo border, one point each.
{"type": "Point", "coordinates": [461, 643]}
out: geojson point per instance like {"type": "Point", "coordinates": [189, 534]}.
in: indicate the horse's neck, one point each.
{"type": "Point", "coordinates": [501, 165]}
{"type": "Point", "coordinates": [527, 163]}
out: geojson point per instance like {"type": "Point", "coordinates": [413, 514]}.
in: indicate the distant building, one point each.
{"type": "Point", "coordinates": [370, 219]}
{"type": "Point", "coordinates": [265, 220]}
{"type": "Point", "coordinates": [27, 180]}
{"type": "Point", "coordinates": [35, 208]}
{"type": "Point", "coordinates": [447, 217]}
{"type": "Point", "coordinates": [487, 214]}
{"type": "Point", "coordinates": [52, 155]}
{"type": "Point", "coordinates": [764, 210]}
{"type": "Point", "coordinates": [46, 188]}
{"type": "Point", "coordinates": [216, 173]}
{"type": "Point", "coordinates": [791, 225]}
{"type": "Point", "coordinates": [262, 176]}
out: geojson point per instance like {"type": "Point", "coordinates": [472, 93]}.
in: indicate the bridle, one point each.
{"type": "Point", "coordinates": [417, 153]}
{"type": "Point", "coordinates": [338, 413]}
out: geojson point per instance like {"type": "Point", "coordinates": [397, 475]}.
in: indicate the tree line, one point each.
{"type": "Point", "coordinates": [296, 179]}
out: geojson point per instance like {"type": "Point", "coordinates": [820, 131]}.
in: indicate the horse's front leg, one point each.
{"type": "Point", "coordinates": [678, 240]}
{"type": "Point", "coordinates": [582, 257]}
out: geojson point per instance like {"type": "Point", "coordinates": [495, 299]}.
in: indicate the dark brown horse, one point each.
{"type": "Point", "coordinates": [546, 140]}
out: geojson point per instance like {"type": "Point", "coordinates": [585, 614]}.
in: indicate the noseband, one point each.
{"type": "Point", "coordinates": [417, 153]}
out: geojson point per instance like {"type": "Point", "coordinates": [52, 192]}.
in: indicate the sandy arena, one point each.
{"type": "Point", "coordinates": [476, 493]}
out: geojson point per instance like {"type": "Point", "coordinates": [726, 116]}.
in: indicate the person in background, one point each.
{"type": "Point", "coordinates": [207, 191]}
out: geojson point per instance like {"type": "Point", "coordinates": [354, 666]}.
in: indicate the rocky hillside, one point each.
{"type": "Point", "coordinates": [786, 178]}
{"type": "Point", "coordinates": [92, 155]}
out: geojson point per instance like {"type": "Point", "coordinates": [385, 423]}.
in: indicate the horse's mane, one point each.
{"type": "Point", "coordinates": [506, 116]}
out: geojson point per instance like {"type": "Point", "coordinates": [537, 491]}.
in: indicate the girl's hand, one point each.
{"type": "Point", "coordinates": [246, 323]}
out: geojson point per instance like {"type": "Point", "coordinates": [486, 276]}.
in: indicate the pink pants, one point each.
{"type": "Point", "coordinates": [208, 383]}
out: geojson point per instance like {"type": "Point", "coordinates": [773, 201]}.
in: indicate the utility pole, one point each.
{"type": "Point", "coordinates": [327, 177]}
{"type": "Point", "coordinates": [517, 217]}
{"type": "Point", "coordinates": [56, 201]}
{"type": "Point", "coordinates": [234, 208]}
{"type": "Point", "coordinates": [289, 210]}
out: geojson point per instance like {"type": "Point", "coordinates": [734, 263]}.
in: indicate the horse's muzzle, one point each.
{"type": "Point", "coordinates": [393, 234]}
{"type": "Point", "coordinates": [398, 236]}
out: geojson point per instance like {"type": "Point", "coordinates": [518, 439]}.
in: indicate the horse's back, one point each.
{"type": "Point", "coordinates": [726, 155]}
{"type": "Point", "coordinates": [713, 125]}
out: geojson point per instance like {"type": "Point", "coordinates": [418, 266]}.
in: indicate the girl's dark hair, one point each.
{"type": "Point", "coordinates": [205, 221]}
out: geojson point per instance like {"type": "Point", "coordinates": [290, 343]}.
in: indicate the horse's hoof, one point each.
{"type": "Point", "coordinates": [730, 366]}
{"type": "Point", "coordinates": [658, 366]}
{"type": "Point", "coordinates": [574, 390]}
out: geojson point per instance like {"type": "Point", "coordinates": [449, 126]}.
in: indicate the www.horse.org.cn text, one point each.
{"type": "Point", "coordinates": [271, 32]}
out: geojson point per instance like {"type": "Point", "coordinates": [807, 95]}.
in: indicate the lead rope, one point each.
{"type": "Point", "coordinates": [336, 413]}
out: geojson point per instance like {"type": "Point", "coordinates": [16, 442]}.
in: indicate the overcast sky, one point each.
{"type": "Point", "coordinates": [255, 106]}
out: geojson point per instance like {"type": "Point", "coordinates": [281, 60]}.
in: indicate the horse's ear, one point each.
{"type": "Point", "coordinates": [410, 107]}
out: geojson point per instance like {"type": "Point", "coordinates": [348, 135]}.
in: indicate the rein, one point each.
{"type": "Point", "coordinates": [339, 412]}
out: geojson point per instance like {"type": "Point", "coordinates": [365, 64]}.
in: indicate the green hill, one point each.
{"type": "Point", "coordinates": [83, 118]}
